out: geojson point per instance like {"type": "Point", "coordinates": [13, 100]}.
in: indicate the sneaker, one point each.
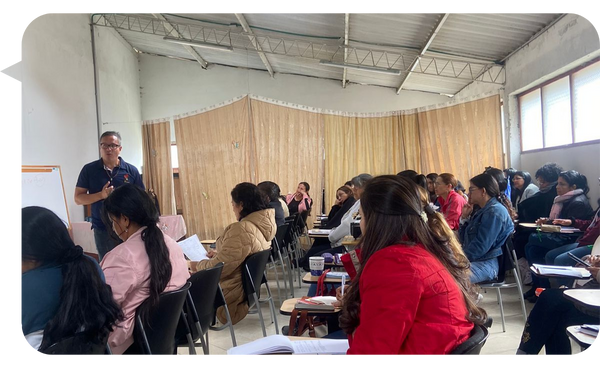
{"type": "Point", "coordinates": [529, 293]}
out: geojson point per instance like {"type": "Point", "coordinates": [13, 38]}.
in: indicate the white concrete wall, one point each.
{"type": "Point", "coordinates": [568, 43]}
{"type": "Point", "coordinates": [171, 87]}
{"type": "Point", "coordinates": [59, 114]}
{"type": "Point", "coordinates": [119, 86]}
{"type": "Point", "coordinates": [59, 123]}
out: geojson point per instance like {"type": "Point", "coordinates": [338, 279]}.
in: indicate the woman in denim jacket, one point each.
{"type": "Point", "coordinates": [483, 234]}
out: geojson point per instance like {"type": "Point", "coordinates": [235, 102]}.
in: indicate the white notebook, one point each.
{"type": "Point", "coordinates": [319, 231]}
{"type": "Point", "coordinates": [279, 344]}
{"type": "Point", "coordinates": [193, 249]}
{"type": "Point", "coordinates": [567, 271]}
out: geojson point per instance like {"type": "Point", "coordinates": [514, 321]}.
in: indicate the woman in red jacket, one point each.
{"type": "Point", "coordinates": [412, 293]}
{"type": "Point", "coordinates": [450, 201]}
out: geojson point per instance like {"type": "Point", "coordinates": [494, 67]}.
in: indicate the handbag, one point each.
{"type": "Point", "coordinates": [322, 288]}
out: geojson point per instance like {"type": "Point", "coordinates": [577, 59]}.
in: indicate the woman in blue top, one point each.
{"type": "Point", "coordinates": [483, 234]}
{"type": "Point", "coordinates": [63, 291]}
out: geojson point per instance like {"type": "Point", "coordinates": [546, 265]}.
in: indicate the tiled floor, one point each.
{"type": "Point", "coordinates": [498, 343]}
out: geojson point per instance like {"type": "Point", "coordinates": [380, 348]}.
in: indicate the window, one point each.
{"type": "Point", "coordinates": [562, 111]}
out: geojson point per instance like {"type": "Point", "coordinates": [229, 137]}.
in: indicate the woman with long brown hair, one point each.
{"type": "Point", "coordinates": [413, 277]}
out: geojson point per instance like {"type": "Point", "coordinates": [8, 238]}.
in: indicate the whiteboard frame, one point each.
{"type": "Point", "coordinates": [33, 168]}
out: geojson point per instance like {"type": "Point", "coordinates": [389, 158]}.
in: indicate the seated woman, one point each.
{"type": "Point", "coordinates": [334, 245]}
{"type": "Point", "coordinates": [252, 233]}
{"type": "Point", "coordinates": [583, 245]}
{"type": "Point", "coordinates": [431, 177]}
{"type": "Point", "coordinates": [483, 234]}
{"type": "Point", "coordinates": [548, 320]}
{"type": "Point", "coordinates": [146, 264]}
{"type": "Point", "coordinates": [451, 203]}
{"type": "Point", "coordinates": [504, 187]}
{"type": "Point", "coordinates": [344, 200]}
{"type": "Point", "coordinates": [272, 192]}
{"type": "Point", "coordinates": [63, 290]}
{"type": "Point", "coordinates": [571, 203]}
{"type": "Point", "coordinates": [523, 188]}
{"type": "Point", "coordinates": [390, 306]}
{"type": "Point", "coordinates": [300, 201]}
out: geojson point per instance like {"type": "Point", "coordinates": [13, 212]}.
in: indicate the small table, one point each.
{"type": "Point", "coordinates": [586, 300]}
{"type": "Point", "coordinates": [303, 319]}
{"type": "Point", "coordinates": [583, 340]}
{"type": "Point", "coordinates": [310, 279]}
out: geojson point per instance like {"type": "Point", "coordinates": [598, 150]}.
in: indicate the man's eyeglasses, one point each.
{"type": "Point", "coordinates": [109, 146]}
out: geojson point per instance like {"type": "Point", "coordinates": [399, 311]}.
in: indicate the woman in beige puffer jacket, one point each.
{"type": "Point", "coordinates": [251, 234]}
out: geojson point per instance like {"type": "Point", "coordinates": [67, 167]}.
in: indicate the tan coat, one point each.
{"type": "Point", "coordinates": [239, 240]}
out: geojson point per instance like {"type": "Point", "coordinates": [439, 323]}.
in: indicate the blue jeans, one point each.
{"type": "Point", "coordinates": [563, 249]}
{"type": "Point", "coordinates": [104, 243]}
{"type": "Point", "coordinates": [536, 249]}
{"type": "Point", "coordinates": [484, 270]}
{"type": "Point", "coordinates": [563, 259]}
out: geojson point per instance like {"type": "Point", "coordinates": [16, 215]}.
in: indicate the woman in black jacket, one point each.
{"type": "Point", "coordinates": [344, 199]}
{"type": "Point", "coordinates": [571, 203]}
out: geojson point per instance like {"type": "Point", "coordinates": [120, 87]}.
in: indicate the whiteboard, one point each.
{"type": "Point", "coordinates": [43, 186]}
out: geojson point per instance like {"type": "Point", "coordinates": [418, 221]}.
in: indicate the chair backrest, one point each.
{"type": "Point", "coordinates": [473, 345]}
{"type": "Point", "coordinates": [253, 272]}
{"type": "Point", "coordinates": [203, 293]}
{"type": "Point", "coordinates": [277, 242]}
{"type": "Point", "coordinates": [80, 343]}
{"type": "Point", "coordinates": [159, 329]}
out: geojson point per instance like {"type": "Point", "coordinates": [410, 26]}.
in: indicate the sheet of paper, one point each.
{"type": "Point", "coordinates": [265, 345]}
{"type": "Point", "coordinates": [321, 346]}
{"type": "Point", "coordinates": [193, 249]}
{"type": "Point", "coordinates": [319, 231]}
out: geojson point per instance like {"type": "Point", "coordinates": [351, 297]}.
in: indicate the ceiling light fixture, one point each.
{"type": "Point", "coordinates": [362, 67]}
{"type": "Point", "coordinates": [205, 45]}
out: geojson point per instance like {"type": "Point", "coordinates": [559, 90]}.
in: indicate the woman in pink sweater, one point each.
{"type": "Point", "coordinates": [146, 264]}
{"type": "Point", "coordinates": [412, 293]}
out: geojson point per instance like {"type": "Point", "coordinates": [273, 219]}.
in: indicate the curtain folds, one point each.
{"type": "Point", "coordinates": [158, 172]}
{"type": "Point", "coordinates": [257, 140]}
{"type": "Point", "coordinates": [462, 139]}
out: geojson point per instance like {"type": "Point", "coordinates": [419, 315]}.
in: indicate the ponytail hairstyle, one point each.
{"type": "Point", "coordinates": [86, 302]}
{"type": "Point", "coordinates": [489, 183]}
{"type": "Point", "coordinates": [134, 203]}
{"type": "Point", "coordinates": [397, 211]}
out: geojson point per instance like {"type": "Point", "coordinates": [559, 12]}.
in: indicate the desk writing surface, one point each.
{"type": "Point", "coordinates": [589, 297]}
{"type": "Point", "coordinates": [581, 338]}
{"type": "Point", "coordinates": [310, 279]}
{"type": "Point", "coordinates": [288, 306]}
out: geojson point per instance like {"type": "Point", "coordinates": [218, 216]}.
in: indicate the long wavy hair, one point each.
{"type": "Point", "coordinates": [392, 207]}
{"type": "Point", "coordinates": [86, 302]}
{"type": "Point", "coordinates": [134, 203]}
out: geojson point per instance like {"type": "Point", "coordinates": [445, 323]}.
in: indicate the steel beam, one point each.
{"type": "Point", "coordinates": [346, 36]}
{"type": "Point", "coordinates": [173, 31]}
{"type": "Point", "coordinates": [256, 45]}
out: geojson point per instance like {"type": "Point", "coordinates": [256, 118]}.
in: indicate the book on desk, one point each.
{"type": "Point", "coordinates": [279, 344]}
{"type": "Point", "coordinates": [317, 303]}
{"type": "Point", "coordinates": [560, 271]}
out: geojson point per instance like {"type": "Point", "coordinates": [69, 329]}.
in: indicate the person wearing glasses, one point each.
{"type": "Point", "coordinates": [483, 234]}
{"type": "Point", "coordinates": [98, 179]}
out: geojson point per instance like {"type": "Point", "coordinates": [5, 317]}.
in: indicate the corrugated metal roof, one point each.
{"type": "Point", "coordinates": [294, 43]}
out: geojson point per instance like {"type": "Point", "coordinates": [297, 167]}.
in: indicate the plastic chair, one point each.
{"type": "Point", "coordinates": [79, 344]}
{"type": "Point", "coordinates": [506, 262]}
{"type": "Point", "coordinates": [199, 308]}
{"type": "Point", "coordinates": [277, 259]}
{"type": "Point", "coordinates": [157, 334]}
{"type": "Point", "coordinates": [220, 302]}
{"type": "Point", "coordinates": [474, 343]}
{"type": "Point", "coordinates": [253, 276]}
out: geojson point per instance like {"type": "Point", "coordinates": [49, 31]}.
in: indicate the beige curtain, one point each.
{"type": "Point", "coordinates": [288, 149]}
{"type": "Point", "coordinates": [213, 151]}
{"type": "Point", "coordinates": [461, 139]}
{"type": "Point", "coordinates": [158, 172]}
{"type": "Point", "coordinates": [375, 145]}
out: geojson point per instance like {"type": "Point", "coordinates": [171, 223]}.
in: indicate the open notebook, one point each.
{"type": "Point", "coordinates": [564, 271]}
{"type": "Point", "coordinates": [279, 344]}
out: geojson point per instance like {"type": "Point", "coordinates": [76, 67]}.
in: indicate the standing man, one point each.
{"type": "Point", "coordinates": [98, 179]}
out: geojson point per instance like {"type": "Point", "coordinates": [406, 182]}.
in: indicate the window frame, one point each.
{"type": "Point", "coordinates": [540, 86]}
